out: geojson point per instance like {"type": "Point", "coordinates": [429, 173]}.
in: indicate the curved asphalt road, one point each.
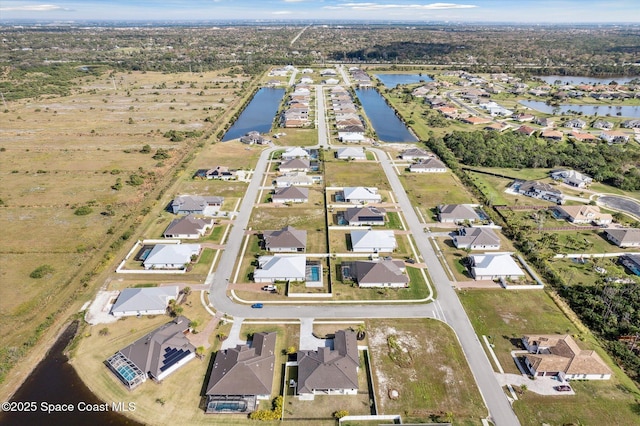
{"type": "Point", "coordinates": [500, 410]}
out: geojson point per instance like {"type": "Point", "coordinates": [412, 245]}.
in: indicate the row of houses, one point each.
{"type": "Point", "coordinates": [347, 118]}
{"type": "Point", "coordinates": [297, 111]}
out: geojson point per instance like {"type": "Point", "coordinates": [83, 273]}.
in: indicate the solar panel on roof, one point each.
{"type": "Point", "coordinates": [177, 358]}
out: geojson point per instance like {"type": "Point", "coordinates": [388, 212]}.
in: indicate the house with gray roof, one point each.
{"type": "Point", "coordinates": [254, 137]}
{"type": "Point", "coordinates": [290, 194]}
{"type": "Point", "coordinates": [287, 239]}
{"type": "Point", "coordinates": [170, 256]}
{"type": "Point", "coordinates": [196, 204]}
{"type": "Point", "coordinates": [330, 371]}
{"type": "Point", "coordinates": [144, 301]}
{"type": "Point", "coordinates": [295, 152]}
{"type": "Point", "coordinates": [413, 154]}
{"type": "Point", "coordinates": [294, 179]}
{"type": "Point", "coordinates": [541, 190]}
{"type": "Point", "coordinates": [358, 216]}
{"type": "Point", "coordinates": [631, 262]}
{"type": "Point", "coordinates": [295, 165]}
{"type": "Point", "coordinates": [571, 177]}
{"type": "Point", "coordinates": [242, 375]}
{"type": "Point", "coordinates": [430, 165]}
{"type": "Point", "coordinates": [624, 237]}
{"type": "Point", "coordinates": [361, 195]}
{"type": "Point", "coordinates": [367, 241]}
{"type": "Point", "coordinates": [155, 355]}
{"type": "Point", "coordinates": [379, 273]}
{"type": "Point", "coordinates": [457, 213]}
{"type": "Point", "coordinates": [280, 268]}
{"type": "Point", "coordinates": [477, 238]}
{"type": "Point", "coordinates": [188, 227]}
{"type": "Point", "coordinates": [351, 153]}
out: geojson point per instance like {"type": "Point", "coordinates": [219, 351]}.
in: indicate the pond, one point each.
{"type": "Point", "coordinates": [384, 120]}
{"type": "Point", "coordinates": [632, 111]}
{"type": "Point", "coordinates": [258, 115]}
{"type": "Point", "coordinates": [573, 79]}
{"type": "Point", "coordinates": [54, 381]}
{"type": "Point", "coordinates": [392, 80]}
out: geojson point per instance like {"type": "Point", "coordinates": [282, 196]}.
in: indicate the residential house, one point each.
{"type": "Point", "coordinates": [431, 165]}
{"type": "Point", "coordinates": [361, 195]}
{"type": "Point", "coordinates": [221, 173]}
{"type": "Point", "coordinates": [254, 137]}
{"type": "Point", "coordinates": [280, 268]}
{"type": "Point", "coordinates": [295, 152]}
{"type": "Point", "coordinates": [524, 117]}
{"type": "Point", "coordinates": [477, 238]}
{"type": "Point", "coordinates": [457, 213]}
{"type": "Point", "coordinates": [614, 136]}
{"type": "Point", "coordinates": [188, 227]}
{"type": "Point", "coordinates": [576, 123]}
{"type": "Point", "coordinates": [367, 241]}
{"type": "Point", "coordinates": [554, 135]}
{"type": "Point", "coordinates": [496, 110]}
{"type": "Point", "coordinates": [475, 120]}
{"type": "Point", "coordinates": [493, 266]}
{"type": "Point", "coordinates": [171, 256]}
{"type": "Point", "coordinates": [358, 216]}
{"type": "Point", "coordinates": [379, 273]}
{"type": "Point", "coordinates": [196, 204]}
{"type": "Point", "coordinates": [351, 153]}
{"type": "Point", "coordinates": [624, 237]}
{"type": "Point", "coordinates": [583, 214]}
{"type": "Point", "coordinates": [290, 194]}
{"type": "Point", "coordinates": [546, 122]}
{"type": "Point", "coordinates": [294, 179]}
{"type": "Point", "coordinates": [583, 136]}
{"type": "Point", "coordinates": [352, 137]}
{"type": "Point", "coordinates": [144, 301]}
{"type": "Point", "coordinates": [631, 262]}
{"type": "Point", "coordinates": [242, 375]}
{"type": "Point", "coordinates": [330, 81]}
{"type": "Point", "coordinates": [571, 177]}
{"type": "Point", "coordinates": [559, 355]}
{"type": "Point", "coordinates": [327, 371]}
{"type": "Point", "coordinates": [287, 239]}
{"type": "Point", "coordinates": [414, 154]}
{"type": "Point", "coordinates": [631, 124]}
{"type": "Point", "coordinates": [525, 130]}
{"type": "Point", "coordinates": [295, 165]}
{"type": "Point", "coordinates": [541, 190]}
{"type": "Point", "coordinates": [603, 125]}
{"type": "Point", "coordinates": [497, 126]}
{"type": "Point", "coordinates": [155, 355]}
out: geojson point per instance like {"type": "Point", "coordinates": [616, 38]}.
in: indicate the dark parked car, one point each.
{"type": "Point", "coordinates": [256, 305]}
{"type": "Point", "coordinates": [562, 388]}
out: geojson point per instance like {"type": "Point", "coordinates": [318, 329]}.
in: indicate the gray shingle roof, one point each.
{"type": "Point", "coordinates": [244, 370]}
{"type": "Point", "coordinates": [288, 237]}
{"type": "Point", "coordinates": [382, 271]}
{"type": "Point", "coordinates": [330, 369]}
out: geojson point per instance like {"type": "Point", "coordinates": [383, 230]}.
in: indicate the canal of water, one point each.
{"type": "Point", "coordinates": [54, 384]}
{"type": "Point", "coordinates": [258, 115]}
{"type": "Point", "coordinates": [392, 80]}
{"type": "Point", "coordinates": [599, 110]}
{"type": "Point", "coordinates": [388, 126]}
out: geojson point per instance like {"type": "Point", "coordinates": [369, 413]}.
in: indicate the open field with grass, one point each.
{"type": "Point", "coordinates": [428, 190]}
{"type": "Point", "coordinates": [296, 137]}
{"type": "Point", "coordinates": [506, 316]}
{"type": "Point", "coordinates": [93, 149]}
{"type": "Point", "coordinates": [232, 154]}
{"type": "Point", "coordinates": [355, 174]}
{"type": "Point", "coordinates": [418, 359]}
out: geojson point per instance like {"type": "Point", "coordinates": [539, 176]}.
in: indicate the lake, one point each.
{"type": "Point", "coordinates": [384, 120]}
{"type": "Point", "coordinates": [631, 111]}
{"type": "Point", "coordinates": [572, 79]}
{"type": "Point", "coordinates": [393, 80]}
{"type": "Point", "coordinates": [54, 381]}
{"type": "Point", "coordinates": [258, 115]}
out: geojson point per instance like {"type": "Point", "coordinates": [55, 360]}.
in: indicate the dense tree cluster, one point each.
{"type": "Point", "coordinates": [613, 164]}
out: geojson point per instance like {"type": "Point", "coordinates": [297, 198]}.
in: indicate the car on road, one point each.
{"type": "Point", "coordinates": [269, 287]}
{"type": "Point", "coordinates": [411, 260]}
{"type": "Point", "coordinates": [563, 388]}
{"type": "Point", "coordinates": [257, 305]}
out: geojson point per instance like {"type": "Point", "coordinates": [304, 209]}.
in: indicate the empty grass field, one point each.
{"type": "Point", "coordinates": [355, 174]}
{"type": "Point", "coordinates": [428, 190]}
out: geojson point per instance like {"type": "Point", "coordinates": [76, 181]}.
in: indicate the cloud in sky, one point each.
{"type": "Point", "coordinates": [382, 6]}
{"type": "Point", "coordinates": [33, 8]}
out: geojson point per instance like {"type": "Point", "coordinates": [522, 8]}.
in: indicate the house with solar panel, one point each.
{"type": "Point", "coordinates": [242, 376]}
{"type": "Point", "coordinates": [154, 356]}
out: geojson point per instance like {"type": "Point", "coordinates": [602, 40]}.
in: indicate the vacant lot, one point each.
{"type": "Point", "coordinates": [506, 316]}
{"type": "Point", "coordinates": [343, 173]}
{"type": "Point", "coordinates": [418, 359]}
{"type": "Point", "coordinates": [428, 190]}
{"type": "Point", "coordinates": [93, 149]}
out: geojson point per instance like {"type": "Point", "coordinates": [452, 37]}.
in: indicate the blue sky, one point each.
{"type": "Point", "coordinates": [543, 11]}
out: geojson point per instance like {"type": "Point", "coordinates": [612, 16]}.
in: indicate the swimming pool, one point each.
{"type": "Point", "coordinates": [314, 273]}
{"type": "Point", "coordinates": [126, 372]}
{"type": "Point", "coordinates": [234, 406]}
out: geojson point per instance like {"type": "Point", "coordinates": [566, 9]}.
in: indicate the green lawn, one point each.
{"type": "Point", "coordinates": [428, 190]}
{"type": "Point", "coordinates": [393, 221]}
{"type": "Point", "coordinates": [355, 174]}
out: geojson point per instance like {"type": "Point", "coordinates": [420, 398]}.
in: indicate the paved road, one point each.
{"type": "Point", "coordinates": [450, 308]}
